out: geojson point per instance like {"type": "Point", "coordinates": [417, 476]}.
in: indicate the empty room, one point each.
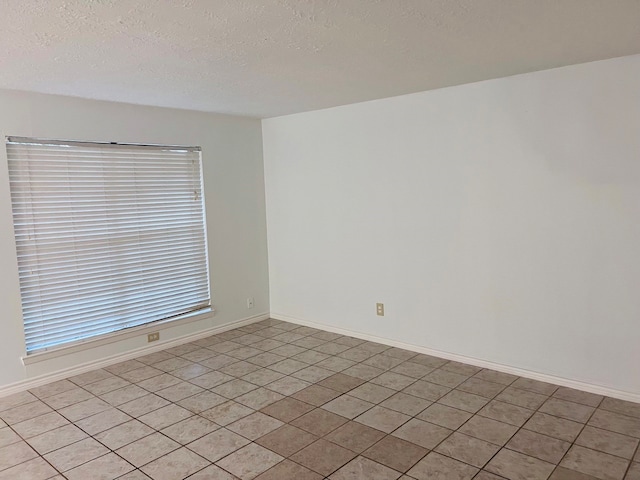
{"type": "Point", "coordinates": [320, 239]}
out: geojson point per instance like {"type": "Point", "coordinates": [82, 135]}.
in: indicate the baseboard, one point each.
{"type": "Point", "coordinates": [563, 382]}
{"type": "Point", "coordinates": [131, 354]}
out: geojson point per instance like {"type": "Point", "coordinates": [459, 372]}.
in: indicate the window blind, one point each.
{"type": "Point", "coordinates": [108, 236]}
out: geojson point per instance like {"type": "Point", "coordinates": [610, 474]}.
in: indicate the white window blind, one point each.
{"type": "Point", "coordinates": [108, 236]}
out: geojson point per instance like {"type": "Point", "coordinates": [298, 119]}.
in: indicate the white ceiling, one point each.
{"type": "Point", "coordinates": [272, 57]}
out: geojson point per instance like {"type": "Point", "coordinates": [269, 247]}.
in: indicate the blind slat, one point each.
{"type": "Point", "coordinates": [108, 236]}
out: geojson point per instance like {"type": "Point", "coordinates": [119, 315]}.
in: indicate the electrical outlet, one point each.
{"type": "Point", "coordinates": [380, 309]}
{"type": "Point", "coordinates": [153, 337]}
{"type": "Point", "coordinates": [250, 302]}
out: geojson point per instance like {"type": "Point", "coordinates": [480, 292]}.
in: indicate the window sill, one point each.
{"type": "Point", "coordinates": [116, 337]}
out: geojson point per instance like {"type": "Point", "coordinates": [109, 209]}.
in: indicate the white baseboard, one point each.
{"type": "Point", "coordinates": [131, 354]}
{"type": "Point", "coordinates": [563, 382]}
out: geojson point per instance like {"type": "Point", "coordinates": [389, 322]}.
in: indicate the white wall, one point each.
{"type": "Point", "coordinates": [498, 220]}
{"type": "Point", "coordinates": [234, 192]}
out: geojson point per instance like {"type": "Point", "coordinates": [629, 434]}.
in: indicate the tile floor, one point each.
{"type": "Point", "coordinates": [276, 401]}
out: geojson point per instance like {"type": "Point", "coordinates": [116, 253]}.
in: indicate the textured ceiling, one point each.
{"type": "Point", "coordinates": [271, 57]}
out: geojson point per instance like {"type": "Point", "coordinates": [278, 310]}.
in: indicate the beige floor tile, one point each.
{"type": "Point", "coordinates": [316, 395]}
{"type": "Point", "coordinates": [190, 429]}
{"type": "Point", "coordinates": [165, 416]}
{"type": "Point", "coordinates": [288, 409]}
{"type": "Point", "coordinates": [107, 467]}
{"type": "Point", "coordinates": [496, 377]}
{"type": "Point", "coordinates": [103, 421]}
{"type": "Point", "coordinates": [15, 454]}
{"type": "Point", "coordinates": [25, 412]}
{"type": "Point", "coordinates": [259, 398]}
{"type": "Point", "coordinates": [55, 439]}
{"type": "Point", "coordinates": [426, 390]}
{"type": "Point", "coordinates": [467, 449]}
{"type": "Point", "coordinates": [227, 413]}
{"type": "Point", "coordinates": [522, 398]}
{"type": "Point", "coordinates": [147, 449]}
{"type": "Point", "coordinates": [561, 473]}
{"type": "Point", "coordinates": [608, 442]}
{"type": "Point", "coordinates": [569, 410]}
{"type": "Point", "coordinates": [107, 385]}
{"type": "Point", "coordinates": [435, 466]}
{"type": "Point", "coordinates": [319, 422]}
{"type": "Point", "coordinates": [347, 406]}
{"type": "Point", "coordinates": [535, 386]}
{"type": "Point", "coordinates": [123, 395]}
{"type": "Point", "coordinates": [250, 461]}
{"type": "Point", "coordinates": [577, 396]}
{"type": "Point", "coordinates": [288, 470]}
{"type": "Point", "coordinates": [444, 416]}
{"type": "Point", "coordinates": [212, 472]}
{"type": "Point", "coordinates": [468, 402]}
{"type": "Point", "coordinates": [8, 436]}
{"type": "Point", "coordinates": [505, 412]}
{"type": "Point", "coordinates": [53, 388]}
{"type": "Point", "coordinates": [234, 388]}
{"type": "Point", "coordinates": [371, 392]}
{"type": "Point", "coordinates": [323, 457]}
{"type": "Point", "coordinates": [445, 378]}
{"type": "Point", "coordinates": [481, 387]}
{"type": "Point", "coordinates": [90, 377]}
{"type": "Point", "coordinates": [616, 422]}
{"type": "Point", "coordinates": [393, 380]}
{"type": "Point", "coordinates": [211, 379]}
{"type": "Point", "coordinates": [124, 434]}
{"type": "Point", "coordinates": [75, 454]}
{"type": "Point", "coordinates": [140, 374]}
{"type": "Point", "coordinates": [84, 409]}
{"type": "Point", "coordinates": [286, 440]}
{"type": "Point", "coordinates": [288, 366]}
{"type": "Point", "coordinates": [363, 372]}
{"type": "Point", "coordinates": [556, 427]}
{"type": "Point", "coordinates": [176, 465]}
{"type": "Point", "coordinates": [621, 406]}
{"type": "Point", "coordinates": [43, 423]}
{"type": "Point", "coordinates": [422, 433]}
{"type": "Point", "coordinates": [396, 453]}
{"type": "Point", "coordinates": [17, 399]}
{"type": "Point", "coordinates": [539, 446]}
{"type": "Point", "coordinates": [262, 377]}
{"type": "Point", "coordinates": [341, 382]}
{"type": "Point", "coordinates": [382, 419]}
{"type": "Point", "coordinates": [191, 371]}
{"type": "Point", "coordinates": [311, 357]}
{"type": "Point", "coordinates": [218, 444]}
{"type": "Point", "coordinates": [516, 466]}
{"type": "Point", "coordinates": [413, 370]}
{"type": "Point", "coordinates": [255, 425]}
{"type": "Point", "coordinates": [240, 368]}
{"type": "Point", "coordinates": [487, 429]}
{"type": "Point", "coordinates": [355, 436]}
{"type": "Point", "coordinates": [461, 368]}
{"type": "Point", "coordinates": [179, 391]}
{"type": "Point", "coordinates": [598, 464]}
{"type": "Point", "coordinates": [202, 401]}
{"type": "Point", "coordinates": [634, 472]}
{"type": "Point", "coordinates": [362, 467]}
{"type": "Point", "coordinates": [287, 385]}
{"type": "Point", "coordinates": [405, 403]}
{"type": "Point", "coordinates": [35, 469]}
{"type": "Point", "coordinates": [159, 382]}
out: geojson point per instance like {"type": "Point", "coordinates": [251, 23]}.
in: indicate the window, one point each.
{"type": "Point", "coordinates": [108, 237]}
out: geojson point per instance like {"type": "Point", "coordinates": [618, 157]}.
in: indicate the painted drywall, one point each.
{"type": "Point", "coordinates": [498, 220]}
{"type": "Point", "coordinates": [234, 193]}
